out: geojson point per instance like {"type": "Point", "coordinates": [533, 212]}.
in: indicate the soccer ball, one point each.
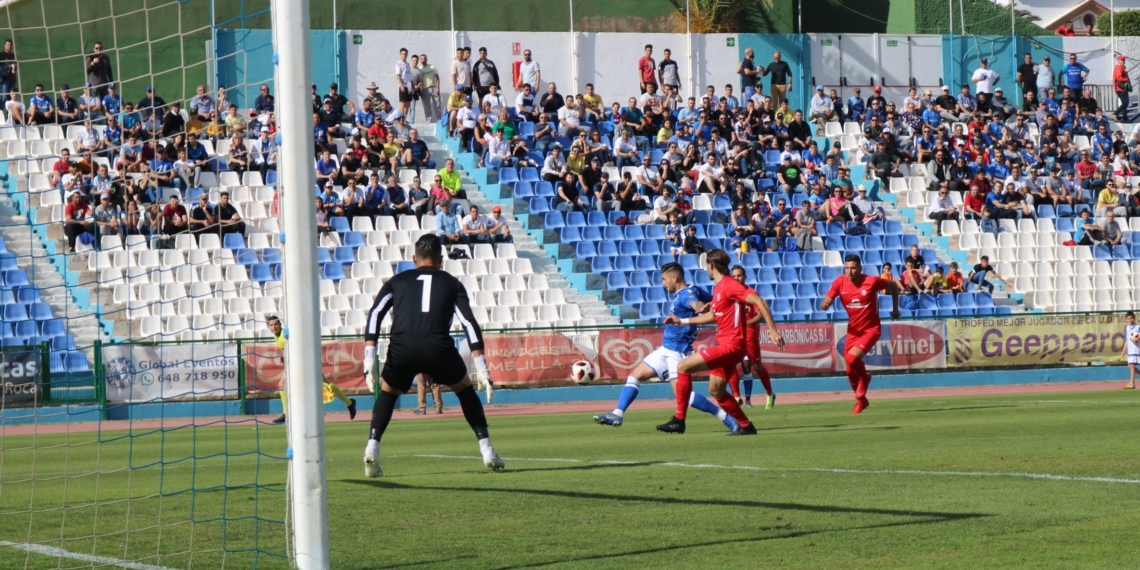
{"type": "Point", "coordinates": [582, 372]}
{"type": "Point", "coordinates": [1134, 337]}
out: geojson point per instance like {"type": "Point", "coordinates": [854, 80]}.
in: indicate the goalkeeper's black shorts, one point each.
{"type": "Point", "coordinates": [403, 364]}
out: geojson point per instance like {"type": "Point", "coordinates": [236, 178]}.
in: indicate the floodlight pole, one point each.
{"type": "Point", "coordinates": [306, 421]}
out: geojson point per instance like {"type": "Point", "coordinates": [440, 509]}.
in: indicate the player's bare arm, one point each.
{"type": "Point", "coordinates": [893, 290]}
{"type": "Point", "coordinates": [701, 319]}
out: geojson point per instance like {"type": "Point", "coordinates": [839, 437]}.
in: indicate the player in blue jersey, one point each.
{"type": "Point", "coordinates": [688, 301]}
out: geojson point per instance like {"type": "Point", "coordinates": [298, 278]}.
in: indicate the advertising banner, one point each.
{"type": "Point", "coordinates": [1035, 340]}
{"type": "Point", "coordinates": [911, 344]}
{"type": "Point", "coordinates": [535, 359]}
{"type": "Point", "coordinates": [149, 373]}
{"type": "Point", "coordinates": [808, 348]}
{"type": "Point", "coordinates": [265, 369]}
{"type": "Point", "coordinates": [21, 377]}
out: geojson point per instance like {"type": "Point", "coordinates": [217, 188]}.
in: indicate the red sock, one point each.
{"type": "Point", "coordinates": [766, 380]}
{"type": "Point", "coordinates": [729, 405]}
{"type": "Point", "coordinates": [857, 374]}
{"type": "Point", "coordinates": [734, 383]}
{"type": "Point", "coordinates": [684, 391]}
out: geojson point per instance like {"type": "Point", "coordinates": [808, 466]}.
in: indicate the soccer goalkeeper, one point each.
{"type": "Point", "coordinates": [331, 391]}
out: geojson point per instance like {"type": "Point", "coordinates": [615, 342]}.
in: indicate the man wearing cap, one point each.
{"type": "Point", "coordinates": [877, 96]}
{"type": "Point", "coordinates": [90, 104]}
{"type": "Point", "coordinates": [1122, 86]}
{"type": "Point", "coordinates": [497, 226]}
{"type": "Point", "coordinates": [947, 105]}
{"type": "Point", "coordinates": [66, 108]}
{"type": "Point", "coordinates": [151, 104]}
{"type": "Point", "coordinates": [1002, 105]}
{"type": "Point", "coordinates": [822, 109]}
{"type": "Point", "coordinates": [263, 151]}
{"type": "Point", "coordinates": [107, 222]}
{"type": "Point", "coordinates": [98, 67]}
{"type": "Point", "coordinates": [985, 78]}
{"type": "Point", "coordinates": [338, 101]}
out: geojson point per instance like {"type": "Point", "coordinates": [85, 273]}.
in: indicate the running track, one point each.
{"type": "Point", "coordinates": [575, 407]}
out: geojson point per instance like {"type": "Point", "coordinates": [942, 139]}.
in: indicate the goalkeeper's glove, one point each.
{"type": "Point", "coordinates": [483, 378]}
{"type": "Point", "coordinates": [372, 368]}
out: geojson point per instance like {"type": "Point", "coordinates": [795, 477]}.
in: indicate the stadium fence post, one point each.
{"type": "Point", "coordinates": [304, 373]}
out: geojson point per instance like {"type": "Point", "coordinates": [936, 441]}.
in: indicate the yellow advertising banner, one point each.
{"type": "Point", "coordinates": [1035, 340]}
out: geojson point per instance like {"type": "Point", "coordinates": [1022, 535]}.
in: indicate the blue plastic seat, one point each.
{"type": "Point", "coordinates": [853, 243]}
{"type": "Point", "coordinates": [245, 256]}
{"type": "Point", "coordinates": [876, 228]}
{"type": "Point", "coordinates": [40, 311]}
{"type": "Point", "coordinates": [770, 259]}
{"type": "Point", "coordinates": [872, 243]}
{"type": "Point", "coordinates": [788, 275]}
{"type": "Point", "coordinates": [608, 248]}
{"type": "Point", "coordinates": [25, 329]}
{"type": "Point", "coordinates": [402, 266]}
{"type": "Point", "coordinates": [701, 278]}
{"type": "Point", "coordinates": [508, 175]}
{"type": "Point", "coordinates": [271, 255]}
{"type": "Point", "coordinates": [633, 232]}
{"type": "Point", "coordinates": [809, 274]}
{"type": "Point", "coordinates": [537, 205]}
{"type": "Point", "coordinates": [596, 219]}
{"type": "Point", "coordinates": [26, 295]}
{"type": "Point", "coordinates": [233, 241]}
{"type": "Point", "coordinates": [946, 302]}
{"type": "Point", "coordinates": [833, 243]}
{"type": "Point", "coordinates": [612, 233]}
{"type": "Point", "coordinates": [353, 239]}
{"type": "Point", "coordinates": [1121, 252]}
{"type": "Point", "coordinates": [688, 262]}
{"type": "Point", "coordinates": [529, 174]}
{"type": "Point", "coordinates": [649, 311]}
{"type": "Point", "coordinates": [966, 301]}
{"type": "Point", "coordinates": [585, 250]}
{"type": "Point", "coordinates": [766, 275]}
{"type": "Point", "coordinates": [623, 263]}
{"type": "Point", "coordinates": [750, 260]}
{"type": "Point", "coordinates": [639, 278]}
{"type": "Point", "coordinates": [785, 291]}
{"type": "Point", "coordinates": [627, 248]}
{"type": "Point", "coordinates": [632, 296]}
{"type": "Point", "coordinates": [553, 220]}
{"type": "Point", "coordinates": [656, 295]}
{"type": "Point", "coordinates": [523, 191]}
{"type": "Point", "coordinates": [647, 262]}
{"type": "Point", "coordinates": [334, 271]}
{"type": "Point", "coordinates": [544, 189]}
{"type": "Point", "coordinates": [721, 202]}
{"type": "Point", "coordinates": [339, 224]}
{"type": "Point", "coordinates": [772, 158]}
{"type": "Point", "coordinates": [716, 231]}
{"type": "Point", "coordinates": [1101, 253]}
{"type": "Point", "coordinates": [600, 264]}
{"type": "Point", "coordinates": [802, 306]}
{"type": "Point", "coordinates": [893, 227]}
{"type": "Point", "coordinates": [8, 261]}
{"type": "Point", "coordinates": [62, 342]}
{"type": "Point", "coordinates": [569, 235]}
{"type": "Point", "coordinates": [15, 312]}
{"type": "Point", "coordinates": [52, 328]}
{"type": "Point", "coordinates": [616, 281]}
{"type": "Point", "coordinates": [15, 278]}
{"type": "Point", "coordinates": [652, 247]}
{"type": "Point", "coordinates": [791, 259]}
{"type": "Point", "coordinates": [76, 363]}
{"type": "Point", "coordinates": [927, 302]}
{"type": "Point", "coordinates": [781, 305]}
{"type": "Point", "coordinates": [262, 272]}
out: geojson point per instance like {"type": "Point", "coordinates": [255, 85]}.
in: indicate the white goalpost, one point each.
{"type": "Point", "coordinates": [306, 424]}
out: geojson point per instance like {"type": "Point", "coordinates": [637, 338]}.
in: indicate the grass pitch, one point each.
{"type": "Point", "coordinates": [1032, 480]}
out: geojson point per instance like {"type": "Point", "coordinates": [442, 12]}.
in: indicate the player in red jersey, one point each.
{"type": "Point", "coordinates": [729, 299]}
{"type": "Point", "coordinates": [859, 293]}
{"type": "Point", "coordinates": [753, 363]}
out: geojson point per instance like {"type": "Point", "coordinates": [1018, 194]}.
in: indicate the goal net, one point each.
{"type": "Point", "coordinates": [139, 375]}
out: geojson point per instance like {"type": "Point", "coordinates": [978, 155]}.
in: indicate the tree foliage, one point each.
{"type": "Point", "coordinates": [715, 16]}
{"type": "Point", "coordinates": [1127, 23]}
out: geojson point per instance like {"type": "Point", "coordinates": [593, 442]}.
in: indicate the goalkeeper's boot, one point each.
{"type": "Point", "coordinates": [674, 425]}
{"type": "Point", "coordinates": [372, 460]}
{"type": "Point", "coordinates": [352, 408]}
{"type": "Point", "coordinates": [280, 420]}
{"type": "Point", "coordinates": [610, 419]}
{"type": "Point", "coordinates": [493, 461]}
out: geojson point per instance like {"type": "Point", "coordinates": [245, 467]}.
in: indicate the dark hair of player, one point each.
{"type": "Point", "coordinates": [271, 318]}
{"type": "Point", "coordinates": [429, 247]}
{"type": "Point", "coordinates": [1130, 314]}
{"type": "Point", "coordinates": [735, 267]}
{"type": "Point", "coordinates": [718, 258]}
{"type": "Point", "coordinates": [852, 257]}
{"type": "Point", "coordinates": [674, 267]}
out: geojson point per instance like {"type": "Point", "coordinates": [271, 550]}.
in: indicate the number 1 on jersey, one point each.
{"type": "Point", "coordinates": [425, 303]}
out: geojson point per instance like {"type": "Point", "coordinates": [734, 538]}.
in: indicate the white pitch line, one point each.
{"type": "Point", "coordinates": [839, 470]}
{"type": "Point", "coordinates": [61, 553]}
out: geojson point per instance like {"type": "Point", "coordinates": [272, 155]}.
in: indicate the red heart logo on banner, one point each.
{"type": "Point", "coordinates": [626, 354]}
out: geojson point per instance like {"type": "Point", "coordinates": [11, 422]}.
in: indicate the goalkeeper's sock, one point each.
{"type": "Point", "coordinates": [339, 394]}
{"type": "Point", "coordinates": [747, 381]}
{"type": "Point", "coordinates": [382, 414]}
{"type": "Point", "coordinates": [284, 402]}
{"type": "Point", "coordinates": [704, 404]}
{"type": "Point", "coordinates": [628, 395]}
{"type": "Point", "coordinates": [473, 411]}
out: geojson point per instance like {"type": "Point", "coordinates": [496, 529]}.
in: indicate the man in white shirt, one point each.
{"type": "Point", "coordinates": [495, 99]}
{"type": "Point", "coordinates": [530, 73]}
{"type": "Point", "coordinates": [524, 105]}
{"type": "Point", "coordinates": [569, 120]}
{"type": "Point", "coordinates": [711, 177]}
{"type": "Point", "coordinates": [554, 167]}
{"type": "Point", "coordinates": [941, 208]}
{"type": "Point", "coordinates": [264, 153]}
{"type": "Point", "coordinates": [404, 81]}
{"type": "Point", "coordinates": [352, 196]}
{"type": "Point", "coordinates": [625, 150]}
{"type": "Point", "coordinates": [88, 138]}
{"type": "Point", "coordinates": [497, 226]}
{"type": "Point", "coordinates": [465, 118]}
{"type": "Point", "coordinates": [1020, 182]}
{"type": "Point", "coordinates": [648, 179]}
{"type": "Point", "coordinates": [499, 151]}
{"type": "Point", "coordinates": [822, 110]}
{"type": "Point", "coordinates": [664, 205]}
{"type": "Point", "coordinates": [985, 78]}
{"type": "Point", "coordinates": [650, 97]}
{"type": "Point", "coordinates": [475, 227]}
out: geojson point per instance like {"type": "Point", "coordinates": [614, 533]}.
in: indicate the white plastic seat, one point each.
{"type": "Point", "coordinates": [536, 282]}
{"type": "Point", "coordinates": [553, 297]}
{"type": "Point", "coordinates": [238, 306]}
{"type": "Point", "coordinates": [235, 273]}
{"type": "Point", "coordinates": [521, 266]}
{"type": "Point", "coordinates": [490, 283]}
{"type": "Point", "coordinates": [513, 282]}
{"type": "Point", "coordinates": [525, 314]}
{"type": "Point", "coordinates": [500, 267]}
{"type": "Point", "coordinates": [477, 267]}
{"type": "Point", "coordinates": [508, 298]}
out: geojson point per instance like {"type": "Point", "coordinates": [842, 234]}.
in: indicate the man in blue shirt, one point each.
{"type": "Point", "coordinates": [112, 135]}
{"type": "Point", "coordinates": [66, 108]}
{"type": "Point", "coordinates": [447, 226]}
{"type": "Point", "coordinates": [688, 115]}
{"type": "Point", "coordinates": [365, 116]}
{"type": "Point", "coordinates": [130, 120]}
{"type": "Point", "coordinates": [40, 109]}
{"type": "Point", "coordinates": [112, 103]}
{"type": "Point", "coordinates": [196, 152]}
{"type": "Point", "coordinates": [856, 108]}
{"type": "Point", "coordinates": [264, 102]}
{"type": "Point", "coordinates": [1102, 142]}
{"type": "Point", "coordinates": [160, 175]}
{"type": "Point", "coordinates": [685, 301]}
{"type": "Point", "coordinates": [397, 198]}
{"type": "Point", "coordinates": [1075, 74]}
{"type": "Point", "coordinates": [152, 104]}
{"type": "Point", "coordinates": [375, 197]}
{"type": "Point", "coordinates": [415, 153]}
{"type": "Point", "coordinates": [327, 168]}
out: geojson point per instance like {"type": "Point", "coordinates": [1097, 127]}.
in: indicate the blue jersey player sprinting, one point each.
{"type": "Point", "coordinates": [688, 301]}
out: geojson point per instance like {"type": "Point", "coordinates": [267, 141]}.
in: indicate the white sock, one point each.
{"type": "Point", "coordinates": [373, 447]}
{"type": "Point", "coordinates": [618, 412]}
{"type": "Point", "coordinates": [721, 414]}
{"type": "Point", "coordinates": [747, 378]}
{"type": "Point", "coordinates": [485, 446]}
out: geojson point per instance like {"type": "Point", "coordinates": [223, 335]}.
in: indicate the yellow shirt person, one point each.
{"type": "Point", "coordinates": [330, 391]}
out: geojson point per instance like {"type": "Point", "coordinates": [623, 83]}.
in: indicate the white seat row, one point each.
{"type": "Point", "coordinates": [1040, 253]}
{"type": "Point", "coordinates": [1008, 239]}
{"type": "Point", "coordinates": [1082, 283]}
{"type": "Point", "coordinates": [1068, 268]}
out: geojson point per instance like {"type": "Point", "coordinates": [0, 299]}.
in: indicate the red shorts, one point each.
{"type": "Point", "coordinates": [753, 350]}
{"type": "Point", "coordinates": [723, 359]}
{"type": "Point", "coordinates": [863, 341]}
